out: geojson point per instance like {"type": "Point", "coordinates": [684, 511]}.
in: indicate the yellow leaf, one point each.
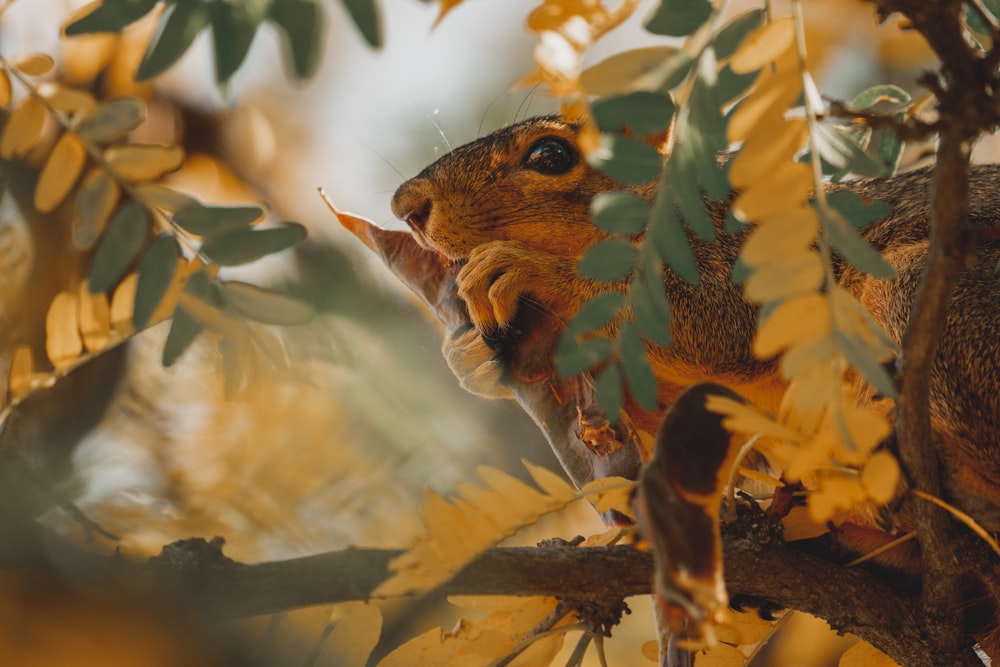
{"type": "Point", "coordinates": [84, 56]}
{"type": "Point", "coordinates": [798, 525]}
{"type": "Point", "coordinates": [354, 636]}
{"type": "Point", "coordinates": [764, 45]}
{"type": "Point", "coordinates": [541, 653]}
{"type": "Point", "coordinates": [95, 201]}
{"type": "Point", "coordinates": [5, 91]}
{"type": "Point", "coordinates": [762, 477]}
{"type": "Point", "coordinates": [144, 162]}
{"type": "Point", "coordinates": [865, 428]}
{"type": "Point", "coordinates": [785, 278]}
{"type": "Point", "coordinates": [60, 173]}
{"type": "Point", "coordinates": [720, 655]}
{"type": "Point", "coordinates": [22, 365]}
{"type": "Point", "coordinates": [745, 418]}
{"type": "Point", "coordinates": [880, 477]}
{"type": "Point", "coordinates": [95, 319]}
{"type": "Point", "coordinates": [805, 357]}
{"type": "Point", "coordinates": [793, 322]}
{"type": "Point", "coordinates": [787, 187]}
{"type": "Point", "coordinates": [770, 98]}
{"type": "Point", "coordinates": [789, 232]}
{"type": "Point", "coordinates": [610, 493]}
{"type": "Point", "coordinates": [66, 98]}
{"type": "Point", "coordinates": [34, 64]}
{"type": "Point", "coordinates": [551, 483]}
{"type": "Point", "coordinates": [835, 493]}
{"type": "Point", "coordinates": [864, 654]}
{"type": "Point", "coordinates": [771, 141]}
{"type": "Point", "coordinates": [23, 129]}
{"type": "Point", "coordinates": [121, 304]}
{"type": "Point", "coordinates": [62, 331]}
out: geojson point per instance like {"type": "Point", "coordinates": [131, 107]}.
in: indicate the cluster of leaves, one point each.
{"type": "Point", "coordinates": [156, 252]}
{"type": "Point", "coordinates": [233, 25]}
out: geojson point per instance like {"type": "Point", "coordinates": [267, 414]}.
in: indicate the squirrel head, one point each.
{"type": "Point", "coordinates": [526, 182]}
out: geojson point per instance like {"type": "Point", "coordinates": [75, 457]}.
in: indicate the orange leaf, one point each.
{"type": "Point", "coordinates": [23, 130]}
{"type": "Point", "coordinates": [34, 64]}
{"type": "Point", "coordinates": [21, 367]}
{"type": "Point", "coordinates": [62, 331]}
{"type": "Point", "coordinates": [5, 91]}
{"type": "Point", "coordinates": [60, 173]}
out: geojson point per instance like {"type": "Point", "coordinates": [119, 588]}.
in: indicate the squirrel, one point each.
{"type": "Point", "coordinates": [513, 208]}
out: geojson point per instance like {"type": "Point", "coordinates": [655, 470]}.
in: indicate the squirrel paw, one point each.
{"type": "Point", "coordinates": [499, 273]}
{"type": "Point", "coordinates": [474, 364]}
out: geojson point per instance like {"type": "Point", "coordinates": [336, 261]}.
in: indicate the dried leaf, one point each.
{"type": "Point", "coordinates": [60, 173]}
{"type": "Point", "coordinates": [22, 366]}
{"type": "Point", "coordinates": [23, 129]}
{"type": "Point", "coordinates": [95, 201]}
{"type": "Point", "coordinates": [34, 64]}
{"type": "Point", "coordinates": [95, 319]}
{"type": "Point", "coordinates": [62, 331]}
{"type": "Point", "coordinates": [144, 162]}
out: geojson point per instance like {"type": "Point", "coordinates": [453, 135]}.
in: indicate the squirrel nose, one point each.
{"type": "Point", "coordinates": [412, 204]}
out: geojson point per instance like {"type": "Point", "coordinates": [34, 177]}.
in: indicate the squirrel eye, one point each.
{"type": "Point", "coordinates": [550, 156]}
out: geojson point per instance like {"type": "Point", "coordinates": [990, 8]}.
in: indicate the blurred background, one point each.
{"type": "Point", "coordinates": [338, 448]}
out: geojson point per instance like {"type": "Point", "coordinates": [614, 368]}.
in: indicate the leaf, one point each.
{"type": "Point", "coordinates": [233, 29]}
{"type": "Point", "coordinates": [791, 323]}
{"type": "Point", "coordinates": [364, 13]}
{"type": "Point", "coordinates": [685, 192]}
{"type": "Point", "coordinates": [596, 313]}
{"type": "Point", "coordinates": [573, 357]}
{"type": "Point", "coordinates": [651, 311]}
{"type": "Point", "coordinates": [647, 68]}
{"type": "Point", "coordinates": [122, 303]}
{"type": "Point", "coordinates": [265, 306]}
{"type": "Point", "coordinates": [854, 248]}
{"type": "Point", "coordinates": [885, 92]}
{"type": "Point", "coordinates": [95, 201]}
{"type": "Point", "coordinates": [120, 245]}
{"type": "Point", "coordinates": [111, 120]}
{"type": "Point", "coordinates": [763, 46]}
{"type": "Point", "coordinates": [621, 212]}
{"type": "Point", "coordinates": [870, 368]}
{"type": "Point", "coordinates": [23, 130]}
{"type": "Point", "coordinates": [735, 31]}
{"type": "Point", "coordinates": [669, 239]}
{"type": "Point", "coordinates": [33, 64]}
{"type": "Point", "coordinates": [60, 173]}
{"type": "Point", "coordinates": [166, 200]}
{"type": "Point", "coordinates": [65, 98]}
{"type": "Point", "coordinates": [183, 330]}
{"type": "Point", "coordinates": [857, 211]}
{"type": "Point", "coordinates": [62, 331]}
{"type": "Point", "coordinates": [678, 18]}
{"type": "Point", "coordinates": [301, 21]}
{"type": "Point", "coordinates": [5, 89]}
{"type": "Point", "coordinates": [22, 367]}
{"type": "Point", "coordinates": [864, 654]}
{"type": "Point", "coordinates": [638, 372]}
{"type": "Point", "coordinates": [840, 151]}
{"type": "Point", "coordinates": [110, 16]}
{"type": "Point", "coordinates": [643, 113]}
{"type": "Point", "coordinates": [208, 221]}
{"type": "Point", "coordinates": [156, 271]}
{"type": "Point", "coordinates": [785, 278]}
{"type": "Point", "coordinates": [631, 161]}
{"type": "Point", "coordinates": [610, 393]}
{"type": "Point", "coordinates": [789, 233]}
{"type": "Point", "coordinates": [549, 482]}
{"type": "Point", "coordinates": [95, 319]}
{"type": "Point", "coordinates": [609, 261]}
{"type": "Point", "coordinates": [177, 29]}
{"type": "Point", "coordinates": [246, 245]}
{"type": "Point", "coordinates": [354, 635]}
{"type": "Point", "coordinates": [144, 162]}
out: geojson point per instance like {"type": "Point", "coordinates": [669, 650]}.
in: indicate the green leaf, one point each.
{"type": "Point", "coordinates": [176, 32]}
{"type": "Point", "coordinates": [95, 201]}
{"type": "Point", "coordinates": [890, 149]}
{"type": "Point", "coordinates": [728, 87]}
{"type": "Point", "coordinates": [729, 38]}
{"type": "Point", "coordinates": [849, 243]}
{"type": "Point", "coordinates": [183, 330]}
{"type": "Point", "coordinates": [686, 194]}
{"type": "Point", "coordinates": [573, 357]}
{"type": "Point", "coordinates": [365, 17]}
{"type": "Point", "coordinates": [156, 270]}
{"type": "Point", "coordinates": [642, 112]}
{"type": "Point", "coordinates": [609, 261]}
{"type": "Point", "coordinates": [842, 153]}
{"type": "Point", "coordinates": [651, 310]}
{"type": "Point", "coordinates": [669, 239]}
{"type": "Point", "coordinates": [126, 235]}
{"type": "Point", "coordinates": [870, 368]}
{"type": "Point", "coordinates": [166, 200]}
{"type": "Point", "coordinates": [111, 120]}
{"type": "Point", "coordinates": [209, 221]}
{"type": "Point", "coordinates": [596, 313]}
{"type": "Point", "coordinates": [635, 363]}
{"type": "Point", "coordinates": [302, 22]}
{"type": "Point", "coordinates": [678, 18]}
{"type": "Point", "coordinates": [610, 393]}
{"type": "Point", "coordinates": [975, 22]}
{"type": "Point", "coordinates": [110, 16]}
{"type": "Point", "coordinates": [649, 68]}
{"type": "Point", "coordinates": [855, 210]}
{"type": "Point", "coordinates": [264, 305]}
{"type": "Point", "coordinates": [233, 29]}
{"type": "Point", "coordinates": [620, 212]}
{"type": "Point", "coordinates": [631, 161]}
{"type": "Point", "coordinates": [246, 245]}
{"type": "Point", "coordinates": [885, 92]}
